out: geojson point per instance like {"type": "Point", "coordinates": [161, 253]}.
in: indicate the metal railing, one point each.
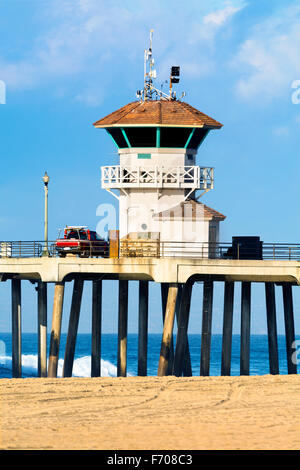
{"type": "Point", "coordinates": [21, 249]}
{"type": "Point", "coordinates": [155, 249]}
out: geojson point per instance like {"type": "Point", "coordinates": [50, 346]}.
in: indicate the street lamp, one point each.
{"type": "Point", "coordinates": [46, 180]}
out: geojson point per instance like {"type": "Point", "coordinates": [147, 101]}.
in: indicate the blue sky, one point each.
{"type": "Point", "coordinates": [68, 63]}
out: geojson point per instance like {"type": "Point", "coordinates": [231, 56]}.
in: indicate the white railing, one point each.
{"type": "Point", "coordinates": [157, 177]}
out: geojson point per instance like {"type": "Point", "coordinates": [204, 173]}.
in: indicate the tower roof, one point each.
{"type": "Point", "coordinates": [163, 113]}
{"type": "Point", "coordinates": [190, 210]}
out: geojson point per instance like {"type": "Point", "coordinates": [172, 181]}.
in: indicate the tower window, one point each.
{"type": "Point", "coordinates": [174, 137]}
{"type": "Point", "coordinates": [141, 136]}
{"type": "Point", "coordinates": [197, 138]}
{"type": "Point", "coordinates": [118, 137]}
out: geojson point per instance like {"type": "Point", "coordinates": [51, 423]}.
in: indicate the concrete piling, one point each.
{"type": "Point", "coordinates": [56, 328]}
{"type": "Point", "coordinates": [289, 327]}
{"type": "Point", "coordinates": [73, 327]}
{"type": "Point", "coordinates": [16, 328]}
{"type": "Point", "coordinates": [227, 328]}
{"type": "Point", "coordinates": [164, 298]}
{"type": "Point", "coordinates": [206, 327]}
{"type": "Point", "coordinates": [42, 328]}
{"type": "Point", "coordinates": [167, 330]}
{"type": "Point", "coordinates": [143, 327]}
{"type": "Point", "coordinates": [96, 328]}
{"type": "Point", "coordinates": [272, 328]}
{"type": "Point", "coordinates": [245, 328]}
{"type": "Point", "coordinates": [122, 329]}
{"type": "Point", "coordinates": [182, 361]}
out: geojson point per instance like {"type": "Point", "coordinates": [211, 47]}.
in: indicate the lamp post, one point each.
{"type": "Point", "coordinates": [46, 180]}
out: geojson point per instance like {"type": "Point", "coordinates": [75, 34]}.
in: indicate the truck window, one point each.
{"type": "Point", "coordinates": [83, 235]}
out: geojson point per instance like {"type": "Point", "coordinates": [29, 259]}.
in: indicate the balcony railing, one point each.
{"type": "Point", "coordinates": [157, 177]}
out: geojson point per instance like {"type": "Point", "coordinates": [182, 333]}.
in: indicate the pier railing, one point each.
{"type": "Point", "coordinates": [156, 249]}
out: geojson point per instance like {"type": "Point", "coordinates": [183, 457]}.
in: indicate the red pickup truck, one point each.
{"type": "Point", "coordinates": [81, 241]}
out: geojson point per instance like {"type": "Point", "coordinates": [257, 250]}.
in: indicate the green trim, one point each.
{"type": "Point", "coordinates": [158, 137]}
{"type": "Point", "coordinates": [113, 139]}
{"type": "Point", "coordinates": [189, 138]}
{"type": "Point", "coordinates": [125, 137]}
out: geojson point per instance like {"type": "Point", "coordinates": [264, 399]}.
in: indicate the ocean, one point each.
{"type": "Point", "coordinates": [259, 357]}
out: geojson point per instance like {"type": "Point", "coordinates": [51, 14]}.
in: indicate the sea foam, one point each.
{"type": "Point", "coordinates": [81, 366]}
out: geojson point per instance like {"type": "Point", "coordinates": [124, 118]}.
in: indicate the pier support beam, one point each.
{"type": "Point", "coordinates": [16, 328]}
{"type": "Point", "coordinates": [96, 328]}
{"type": "Point", "coordinates": [122, 329]}
{"type": "Point", "coordinates": [42, 328]}
{"type": "Point", "coordinates": [143, 327]}
{"type": "Point", "coordinates": [227, 328]}
{"type": "Point", "coordinates": [289, 327]}
{"type": "Point", "coordinates": [164, 298]}
{"type": "Point", "coordinates": [56, 328]}
{"type": "Point", "coordinates": [182, 362]}
{"type": "Point", "coordinates": [206, 327]}
{"type": "Point", "coordinates": [272, 327]}
{"type": "Point", "coordinates": [73, 327]}
{"type": "Point", "coordinates": [245, 328]}
{"type": "Point", "coordinates": [168, 330]}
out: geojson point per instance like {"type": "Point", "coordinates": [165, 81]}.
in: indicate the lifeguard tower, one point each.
{"type": "Point", "coordinates": [158, 181]}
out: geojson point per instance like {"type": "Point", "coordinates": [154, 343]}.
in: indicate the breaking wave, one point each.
{"type": "Point", "coordinates": [81, 367]}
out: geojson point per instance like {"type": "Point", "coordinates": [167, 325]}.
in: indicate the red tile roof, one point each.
{"type": "Point", "coordinates": [158, 113]}
{"type": "Point", "coordinates": [190, 210]}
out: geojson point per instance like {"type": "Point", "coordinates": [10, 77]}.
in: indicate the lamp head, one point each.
{"type": "Point", "coordinates": [46, 178]}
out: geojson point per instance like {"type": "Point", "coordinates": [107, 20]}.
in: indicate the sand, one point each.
{"type": "Point", "coordinates": [151, 413]}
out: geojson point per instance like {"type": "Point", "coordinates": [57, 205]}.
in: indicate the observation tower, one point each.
{"type": "Point", "coordinates": [158, 182]}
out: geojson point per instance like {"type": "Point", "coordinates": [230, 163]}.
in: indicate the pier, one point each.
{"type": "Point", "coordinates": [178, 276]}
{"type": "Point", "coordinates": [165, 235]}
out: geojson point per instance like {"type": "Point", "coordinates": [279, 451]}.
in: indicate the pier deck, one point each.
{"type": "Point", "coordinates": [171, 270]}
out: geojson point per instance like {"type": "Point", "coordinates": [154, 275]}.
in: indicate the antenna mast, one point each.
{"type": "Point", "coordinates": [150, 73]}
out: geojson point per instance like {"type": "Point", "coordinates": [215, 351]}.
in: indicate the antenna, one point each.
{"type": "Point", "coordinates": [150, 74]}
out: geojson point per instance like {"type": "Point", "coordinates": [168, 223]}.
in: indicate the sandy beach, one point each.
{"type": "Point", "coordinates": [151, 413]}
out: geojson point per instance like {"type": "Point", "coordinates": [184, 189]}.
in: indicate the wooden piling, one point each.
{"type": "Point", "coordinates": [245, 328]}
{"type": "Point", "coordinates": [206, 327]}
{"type": "Point", "coordinates": [96, 328]}
{"type": "Point", "coordinates": [42, 328]}
{"type": "Point", "coordinates": [227, 328]}
{"type": "Point", "coordinates": [16, 328]}
{"type": "Point", "coordinates": [143, 327]}
{"type": "Point", "coordinates": [182, 362]}
{"type": "Point", "coordinates": [289, 327]}
{"type": "Point", "coordinates": [73, 327]}
{"type": "Point", "coordinates": [272, 328]}
{"type": "Point", "coordinates": [164, 298]}
{"type": "Point", "coordinates": [122, 329]}
{"type": "Point", "coordinates": [168, 330]}
{"type": "Point", "coordinates": [56, 328]}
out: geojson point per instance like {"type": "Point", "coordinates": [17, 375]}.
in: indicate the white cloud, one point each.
{"type": "Point", "coordinates": [219, 17]}
{"type": "Point", "coordinates": [94, 39]}
{"type": "Point", "coordinates": [269, 59]}
{"type": "Point", "coordinates": [281, 131]}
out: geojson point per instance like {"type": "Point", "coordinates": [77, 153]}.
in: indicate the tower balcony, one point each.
{"type": "Point", "coordinates": [177, 177]}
